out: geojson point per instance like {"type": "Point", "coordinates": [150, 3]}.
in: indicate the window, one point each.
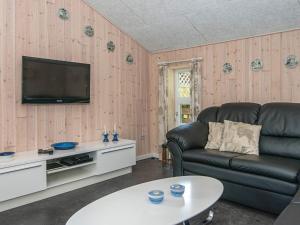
{"type": "Point", "coordinates": [183, 96]}
{"type": "Point", "coordinates": [184, 86]}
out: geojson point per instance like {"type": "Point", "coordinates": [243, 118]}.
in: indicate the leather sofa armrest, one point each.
{"type": "Point", "coordinates": [176, 153]}
{"type": "Point", "coordinates": [189, 136]}
{"type": "Point", "coordinates": [183, 138]}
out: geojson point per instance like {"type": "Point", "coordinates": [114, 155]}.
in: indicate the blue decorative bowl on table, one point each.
{"type": "Point", "coordinates": [6, 156]}
{"type": "Point", "coordinates": [64, 145]}
{"type": "Point", "coordinates": [156, 196]}
{"type": "Point", "coordinates": [177, 190]}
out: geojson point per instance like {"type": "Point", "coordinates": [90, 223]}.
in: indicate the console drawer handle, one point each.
{"type": "Point", "coordinates": [115, 150]}
{"type": "Point", "coordinates": [24, 167]}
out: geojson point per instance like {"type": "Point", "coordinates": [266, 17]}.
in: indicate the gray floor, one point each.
{"type": "Point", "coordinates": [57, 210]}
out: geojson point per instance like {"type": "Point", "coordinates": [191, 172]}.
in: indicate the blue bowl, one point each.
{"type": "Point", "coordinates": [177, 190]}
{"type": "Point", "coordinates": [64, 145]}
{"type": "Point", "coordinates": [156, 196]}
{"type": "Point", "coordinates": [6, 156]}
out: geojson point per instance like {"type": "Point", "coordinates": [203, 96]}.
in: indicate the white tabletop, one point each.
{"type": "Point", "coordinates": [33, 156]}
{"type": "Point", "coordinates": [131, 205]}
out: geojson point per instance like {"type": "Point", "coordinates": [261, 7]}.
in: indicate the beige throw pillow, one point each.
{"type": "Point", "coordinates": [215, 135]}
{"type": "Point", "coordinates": [241, 138]}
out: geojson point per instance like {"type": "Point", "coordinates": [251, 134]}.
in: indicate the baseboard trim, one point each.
{"type": "Point", "coordinates": [147, 156]}
{"type": "Point", "coordinates": [24, 200]}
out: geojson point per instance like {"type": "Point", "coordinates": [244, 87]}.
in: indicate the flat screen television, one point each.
{"type": "Point", "coordinates": [53, 81]}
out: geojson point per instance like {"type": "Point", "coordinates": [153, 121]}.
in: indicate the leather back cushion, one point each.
{"type": "Point", "coordinates": [280, 134]}
{"type": "Point", "coordinates": [280, 119]}
{"type": "Point", "coordinates": [281, 146]}
{"type": "Point", "coordinates": [208, 115]}
{"type": "Point", "coordinates": [239, 112]}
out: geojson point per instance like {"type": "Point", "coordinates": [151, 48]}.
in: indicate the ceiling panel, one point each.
{"type": "Point", "coordinates": [158, 10]}
{"type": "Point", "coordinates": [175, 31]}
{"type": "Point", "coordinates": [239, 19]}
{"type": "Point", "coordinates": [171, 24]}
{"type": "Point", "coordinates": [118, 13]}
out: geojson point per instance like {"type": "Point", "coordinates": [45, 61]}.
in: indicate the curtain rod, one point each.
{"type": "Point", "coordinates": [180, 61]}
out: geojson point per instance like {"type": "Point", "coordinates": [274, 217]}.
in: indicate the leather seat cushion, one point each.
{"type": "Point", "coordinates": [210, 157]}
{"type": "Point", "coordinates": [237, 177]}
{"type": "Point", "coordinates": [271, 166]}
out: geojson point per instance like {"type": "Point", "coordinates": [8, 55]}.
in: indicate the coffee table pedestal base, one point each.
{"type": "Point", "coordinates": [207, 221]}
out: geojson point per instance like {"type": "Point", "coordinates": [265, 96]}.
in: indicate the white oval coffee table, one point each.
{"type": "Point", "coordinates": [131, 205]}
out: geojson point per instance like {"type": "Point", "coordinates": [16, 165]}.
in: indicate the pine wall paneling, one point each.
{"type": "Point", "coordinates": [274, 83]}
{"type": "Point", "coordinates": [119, 92]}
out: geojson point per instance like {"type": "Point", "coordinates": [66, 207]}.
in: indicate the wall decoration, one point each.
{"type": "Point", "coordinates": [291, 62]}
{"type": "Point", "coordinates": [227, 68]}
{"type": "Point", "coordinates": [129, 59]}
{"type": "Point", "coordinates": [110, 46]}
{"type": "Point", "coordinates": [256, 65]}
{"type": "Point", "coordinates": [63, 14]}
{"type": "Point", "coordinates": [89, 31]}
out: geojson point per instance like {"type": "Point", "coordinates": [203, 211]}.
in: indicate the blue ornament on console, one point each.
{"type": "Point", "coordinates": [105, 135]}
{"type": "Point", "coordinates": [115, 134]}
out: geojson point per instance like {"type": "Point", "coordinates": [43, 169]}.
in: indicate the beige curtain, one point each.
{"type": "Point", "coordinates": [163, 104]}
{"type": "Point", "coordinates": [164, 101]}
{"type": "Point", "coordinates": [196, 86]}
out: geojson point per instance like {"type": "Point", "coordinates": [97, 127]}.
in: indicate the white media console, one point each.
{"type": "Point", "coordinates": [26, 179]}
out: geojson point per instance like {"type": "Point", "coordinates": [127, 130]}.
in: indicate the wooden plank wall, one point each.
{"type": "Point", "coordinates": [274, 83]}
{"type": "Point", "coordinates": [119, 92]}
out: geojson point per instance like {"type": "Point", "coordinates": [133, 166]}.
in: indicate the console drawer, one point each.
{"type": "Point", "coordinates": [115, 158]}
{"type": "Point", "coordinates": [21, 180]}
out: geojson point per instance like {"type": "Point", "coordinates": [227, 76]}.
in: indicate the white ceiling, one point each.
{"type": "Point", "coordinates": [171, 24]}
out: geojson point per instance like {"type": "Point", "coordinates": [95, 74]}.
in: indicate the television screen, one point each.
{"type": "Point", "coordinates": [53, 81]}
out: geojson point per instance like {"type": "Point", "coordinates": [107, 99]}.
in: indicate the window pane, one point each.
{"type": "Point", "coordinates": [185, 113]}
{"type": "Point", "coordinates": [184, 86]}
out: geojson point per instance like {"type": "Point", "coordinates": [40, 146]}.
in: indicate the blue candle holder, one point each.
{"type": "Point", "coordinates": [115, 136]}
{"type": "Point", "coordinates": [105, 137]}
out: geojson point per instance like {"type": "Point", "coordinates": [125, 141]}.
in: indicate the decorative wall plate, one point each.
{"type": "Point", "coordinates": [291, 62]}
{"type": "Point", "coordinates": [63, 14]}
{"type": "Point", "coordinates": [111, 46]}
{"type": "Point", "coordinates": [256, 65]}
{"type": "Point", "coordinates": [89, 31]}
{"type": "Point", "coordinates": [227, 68]}
{"type": "Point", "coordinates": [129, 59]}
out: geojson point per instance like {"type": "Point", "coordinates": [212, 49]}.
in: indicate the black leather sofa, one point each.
{"type": "Point", "coordinates": [268, 181]}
